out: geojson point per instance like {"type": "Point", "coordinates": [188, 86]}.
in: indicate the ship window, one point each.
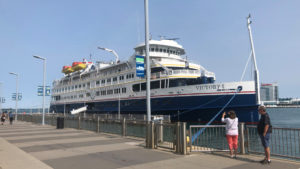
{"type": "Point", "coordinates": [115, 79]}
{"type": "Point", "coordinates": [79, 86]}
{"type": "Point", "coordinates": [110, 91]}
{"type": "Point", "coordinates": [88, 94]}
{"type": "Point", "coordinates": [124, 90]}
{"type": "Point", "coordinates": [108, 80]}
{"type": "Point", "coordinates": [178, 82]}
{"type": "Point", "coordinates": [152, 49]}
{"type": "Point", "coordinates": [83, 85]}
{"type": "Point", "coordinates": [165, 50]}
{"type": "Point", "coordinates": [81, 96]}
{"type": "Point", "coordinates": [162, 84]}
{"type": "Point", "coordinates": [103, 81]}
{"type": "Point", "coordinates": [154, 85]}
{"type": "Point", "coordinates": [121, 77]}
{"type": "Point", "coordinates": [97, 82]}
{"type": "Point", "coordinates": [160, 50]}
{"type": "Point", "coordinates": [156, 49]}
{"type": "Point", "coordinates": [132, 75]}
{"type": "Point", "coordinates": [136, 87]}
{"type": "Point", "coordinates": [168, 51]}
{"type": "Point", "coordinates": [98, 93]}
{"type": "Point", "coordinates": [75, 86]}
{"type": "Point", "coordinates": [143, 86]}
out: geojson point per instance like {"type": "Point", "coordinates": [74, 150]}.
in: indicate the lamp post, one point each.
{"type": "Point", "coordinates": [44, 87]}
{"type": "Point", "coordinates": [17, 94]}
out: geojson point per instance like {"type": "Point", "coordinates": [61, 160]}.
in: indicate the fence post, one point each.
{"type": "Point", "coordinates": [183, 138]}
{"type": "Point", "coordinates": [160, 132]}
{"type": "Point", "coordinates": [150, 135]}
{"type": "Point", "coordinates": [79, 122]}
{"type": "Point", "coordinates": [242, 136]}
{"type": "Point", "coordinates": [124, 127]}
{"type": "Point", "coordinates": [148, 129]}
{"type": "Point", "coordinates": [177, 137]}
{"type": "Point", "coordinates": [98, 124]}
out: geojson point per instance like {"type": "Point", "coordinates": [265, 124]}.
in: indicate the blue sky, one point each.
{"type": "Point", "coordinates": [214, 34]}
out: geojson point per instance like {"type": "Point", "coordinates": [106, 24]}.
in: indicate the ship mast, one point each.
{"type": "Point", "coordinates": [256, 73]}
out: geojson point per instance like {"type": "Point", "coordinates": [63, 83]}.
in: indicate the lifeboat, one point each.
{"type": "Point", "coordinates": [67, 69]}
{"type": "Point", "coordinates": [78, 66]}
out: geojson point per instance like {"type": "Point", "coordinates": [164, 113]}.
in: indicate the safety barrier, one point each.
{"type": "Point", "coordinates": [157, 134]}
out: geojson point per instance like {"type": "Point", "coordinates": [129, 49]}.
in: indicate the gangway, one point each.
{"type": "Point", "coordinates": [79, 110]}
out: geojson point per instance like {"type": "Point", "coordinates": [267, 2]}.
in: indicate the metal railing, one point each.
{"type": "Point", "coordinates": [164, 134]}
{"type": "Point", "coordinates": [212, 138]}
{"type": "Point", "coordinates": [284, 142]}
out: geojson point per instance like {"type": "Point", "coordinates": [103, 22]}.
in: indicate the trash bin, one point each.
{"type": "Point", "coordinates": [60, 123]}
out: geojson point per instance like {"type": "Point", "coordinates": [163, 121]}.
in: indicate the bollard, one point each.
{"type": "Point", "coordinates": [124, 127]}
{"type": "Point", "coordinates": [98, 124]}
{"type": "Point", "coordinates": [242, 137]}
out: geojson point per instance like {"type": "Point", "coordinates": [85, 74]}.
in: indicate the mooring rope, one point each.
{"type": "Point", "coordinates": [211, 120]}
{"type": "Point", "coordinates": [237, 90]}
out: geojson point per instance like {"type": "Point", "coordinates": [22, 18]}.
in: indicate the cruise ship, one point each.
{"type": "Point", "coordinates": [186, 91]}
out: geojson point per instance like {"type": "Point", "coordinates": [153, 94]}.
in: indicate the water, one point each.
{"type": "Point", "coordinates": [285, 117]}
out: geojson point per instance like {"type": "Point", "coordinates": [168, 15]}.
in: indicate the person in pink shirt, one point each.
{"type": "Point", "coordinates": [232, 131]}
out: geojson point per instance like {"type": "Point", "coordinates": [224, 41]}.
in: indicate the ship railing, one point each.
{"type": "Point", "coordinates": [175, 72]}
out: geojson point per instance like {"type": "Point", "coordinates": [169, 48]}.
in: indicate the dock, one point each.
{"type": "Point", "coordinates": [26, 145]}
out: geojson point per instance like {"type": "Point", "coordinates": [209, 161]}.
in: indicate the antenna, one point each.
{"type": "Point", "coordinates": [161, 37]}
{"type": "Point", "coordinates": [173, 39]}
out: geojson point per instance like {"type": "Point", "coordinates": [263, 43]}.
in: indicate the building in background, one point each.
{"type": "Point", "coordinates": [269, 92]}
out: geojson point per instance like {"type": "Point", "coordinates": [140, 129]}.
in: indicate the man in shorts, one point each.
{"type": "Point", "coordinates": [264, 129]}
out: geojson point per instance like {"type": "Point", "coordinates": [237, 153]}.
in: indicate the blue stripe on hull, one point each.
{"type": "Point", "coordinates": [189, 108]}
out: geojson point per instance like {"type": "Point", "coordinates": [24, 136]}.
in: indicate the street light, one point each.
{"type": "Point", "coordinates": [112, 51]}
{"type": "Point", "coordinates": [44, 87]}
{"type": "Point", "coordinates": [17, 94]}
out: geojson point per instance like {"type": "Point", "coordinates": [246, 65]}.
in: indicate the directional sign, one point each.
{"type": "Point", "coordinates": [41, 90]}
{"type": "Point", "coordinates": [14, 96]}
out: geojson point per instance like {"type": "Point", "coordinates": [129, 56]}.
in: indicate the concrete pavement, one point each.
{"type": "Point", "coordinates": [37, 147]}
